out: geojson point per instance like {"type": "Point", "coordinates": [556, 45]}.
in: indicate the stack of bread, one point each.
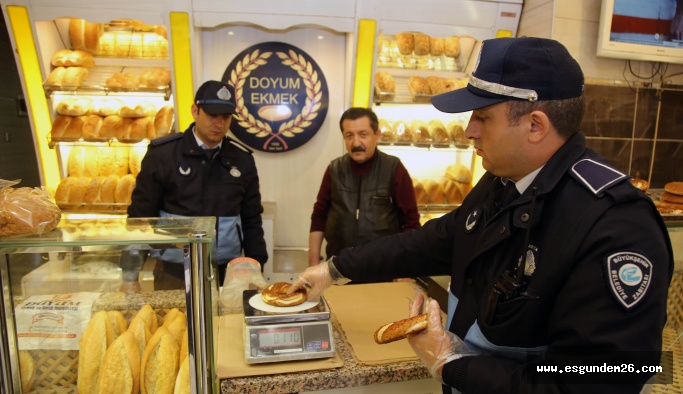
{"type": "Point", "coordinates": [109, 118]}
{"type": "Point", "coordinates": [70, 68]}
{"type": "Point", "coordinates": [672, 199]}
{"type": "Point", "coordinates": [99, 178]}
{"type": "Point", "coordinates": [450, 189]}
{"type": "Point", "coordinates": [140, 357]}
{"type": "Point", "coordinates": [121, 38]}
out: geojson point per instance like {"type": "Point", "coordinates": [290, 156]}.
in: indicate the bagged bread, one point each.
{"type": "Point", "coordinates": [26, 210]}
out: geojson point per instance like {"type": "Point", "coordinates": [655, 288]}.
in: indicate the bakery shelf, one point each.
{"type": "Point", "coordinates": [95, 207]}
{"type": "Point", "coordinates": [103, 142]}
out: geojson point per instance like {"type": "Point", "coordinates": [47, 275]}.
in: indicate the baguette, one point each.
{"type": "Point", "coordinates": [160, 363]}
{"type": "Point", "coordinates": [400, 329]}
{"type": "Point", "coordinates": [92, 349]}
{"type": "Point", "coordinates": [120, 370]}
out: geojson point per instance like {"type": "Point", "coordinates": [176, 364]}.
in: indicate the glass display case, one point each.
{"type": "Point", "coordinates": [62, 291]}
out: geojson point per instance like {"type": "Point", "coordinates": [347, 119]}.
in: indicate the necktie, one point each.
{"type": "Point", "coordinates": [210, 153]}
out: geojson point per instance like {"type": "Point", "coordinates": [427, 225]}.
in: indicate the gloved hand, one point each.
{"type": "Point", "coordinates": [314, 279]}
{"type": "Point", "coordinates": [435, 346]}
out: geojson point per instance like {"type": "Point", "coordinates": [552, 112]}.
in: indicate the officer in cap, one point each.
{"type": "Point", "coordinates": [554, 257]}
{"type": "Point", "coordinates": [203, 172]}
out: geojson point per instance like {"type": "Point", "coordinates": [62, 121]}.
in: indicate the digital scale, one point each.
{"type": "Point", "coordinates": [273, 334]}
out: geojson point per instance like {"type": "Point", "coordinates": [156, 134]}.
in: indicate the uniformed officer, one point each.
{"type": "Point", "coordinates": [555, 258]}
{"type": "Point", "coordinates": [203, 172]}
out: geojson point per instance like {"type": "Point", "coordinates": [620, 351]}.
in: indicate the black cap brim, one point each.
{"type": "Point", "coordinates": [463, 100]}
{"type": "Point", "coordinates": [217, 109]}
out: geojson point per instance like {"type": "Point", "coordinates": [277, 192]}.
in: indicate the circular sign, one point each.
{"type": "Point", "coordinates": [281, 96]}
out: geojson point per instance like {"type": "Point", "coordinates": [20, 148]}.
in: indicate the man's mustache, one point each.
{"type": "Point", "coordinates": [357, 149]}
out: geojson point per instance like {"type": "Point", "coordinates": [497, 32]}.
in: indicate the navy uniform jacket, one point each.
{"type": "Point", "coordinates": [177, 179]}
{"type": "Point", "coordinates": [599, 263]}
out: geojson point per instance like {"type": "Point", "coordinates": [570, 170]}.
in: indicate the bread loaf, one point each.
{"type": "Point", "coordinates": [147, 315]}
{"type": "Point", "coordinates": [141, 333]}
{"type": "Point", "coordinates": [92, 349]}
{"type": "Point", "coordinates": [434, 192]}
{"type": "Point", "coordinates": [123, 81]}
{"type": "Point", "coordinates": [163, 121]}
{"type": "Point", "coordinates": [75, 106]}
{"type": "Point", "coordinates": [160, 363]}
{"type": "Point", "coordinates": [63, 190]}
{"type": "Point", "coordinates": [17, 202]}
{"type": "Point", "coordinates": [143, 108]}
{"type": "Point", "coordinates": [457, 134]}
{"type": "Point", "coordinates": [74, 76]}
{"type": "Point", "coordinates": [108, 189]}
{"type": "Point", "coordinates": [422, 44]}
{"type": "Point", "coordinates": [182, 382]}
{"type": "Point", "coordinates": [85, 35]}
{"type": "Point", "coordinates": [91, 128]}
{"type": "Point", "coordinates": [77, 190]}
{"type": "Point", "coordinates": [91, 166]}
{"type": "Point", "coordinates": [438, 132]}
{"type": "Point", "coordinates": [155, 78]}
{"type": "Point", "coordinates": [404, 134]}
{"type": "Point", "coordinates": [177, 327]}
{"type": "Point", "coordinates": [400, 329]}
{"type": "Point", "coordinates": [452, 46]}
{"type": "Point", "coordinates": [451, 191]}
{"type": "Point", "coordinates": [121, 161]}
{"type": "Point", "coordinates": [106, 106]}
{"type": "Point", "coordinates": [405, 43]}
{"type": "Point", "coordinates": [419, 88]}
{"type": "Point", "coordinates": [105, 161]}
{"type": "Point", "coordinates": [421, 132]}
{"type": "Point", "coordinates": [124, 189]}
{"type": "Point", "coordinates": [59, 126]}
{"type": "Point", "coordinates": [387, 131]}
{"type": "Point", "coordinates": [69, 58]}
{"type": "Point", "coordinates": [459, 172]}
{"type": "Point", "coordinates": [123, 128]}
{"type": "Point", "coordinates": [436, 46]}
{"type": "Point", "coordinates": [184, 352]}
{"type": "Point", "coordinates": [109, 126]}
{"type": "Point", "coordinates": [385, 86]}
{"type": "Point", "coordinates": [135, 159]}
{"type": "Point", "coordinates": [120, 369]}
{"type": "Point", "coordinates": [420, 193]}
{"type": "Point", "coordinates": [76, 161]}
{"type": "Point", "coordinates": [92, 192]}
{"type": "Point", "coordinates": [118, 324]}
{"type": "Point", "coordinates": [436, 85]}
{"type": "Point", "coordinates": [56, 77]}
{"type": "Point", "coordinates": [28, 370]}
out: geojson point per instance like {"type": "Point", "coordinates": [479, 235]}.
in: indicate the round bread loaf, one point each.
{"type": "Point", "coordinates": [422, 44]}
{"type": "Point", "coordinates": [405, 43]}
{"type": "Point", "coordinates": [124, 189]}
{"type": "Point", "coordinates": [674, 188]}
{"type": "Point", "coordinates": [276, 295]}
{"type": "Point", "coordinates": [452, 46]}
{"type": "Point", "coordinates": [436, 46]}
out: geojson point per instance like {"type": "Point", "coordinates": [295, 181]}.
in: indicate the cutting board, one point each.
{"type": "Point", "coordinates": [361, 309]}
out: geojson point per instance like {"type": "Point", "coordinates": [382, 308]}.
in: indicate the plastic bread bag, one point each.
{"type": "Point", "coordinates": [242, 273]}
{"type": "Point", "coordinates": [26, 210]}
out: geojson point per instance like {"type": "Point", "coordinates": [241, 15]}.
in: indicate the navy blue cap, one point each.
{"type": "Point", "coordinates": [524, 68]}
{"type": "Point", "coordinates": [215, 97]}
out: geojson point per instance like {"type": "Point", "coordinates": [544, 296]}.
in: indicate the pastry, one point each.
{"type": "Point", "coordinates": [436, 46]}
{"type": "Point", "coordinates": [452, 46]}
{"type": "Point", "coordinates": [405, 43]}
{"type": "Point", "coordinates": [400, 329]}
{"type": "Point", "coordinates": [422, 43]}
{"type": "Point", "coordinates": [276, 294]}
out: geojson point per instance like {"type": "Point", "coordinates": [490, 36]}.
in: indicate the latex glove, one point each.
{"type": "Point", "coordinates": [435, 346]}
{"type": "Point", "coordinates": [314, 279]}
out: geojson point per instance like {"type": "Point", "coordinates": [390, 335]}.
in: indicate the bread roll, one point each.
{"type": "Point", "coordinates": [109, 126]}
{"type": "Point", "coordinates": [92, 192]}
{"type": "Point", "coordinates": [91, 128]}
{"type": "Point", "coordinates": [136, 154]}
{"type": "Point", "coordinates": [452, 46]}
{"type": "Point", "coordinates": [85, 35]}
{"type": "Point", "coordinates": [143, 108]}
{"type": "Point", "coordinates": [405, 43]}
{"type": "Point", "coordinates": [123, 81]}
{"type": "Point", "coordinates": [420, 193]}
{"type": "Point", "coordinates": [123, 128]}
{"type": "Point", "coordinates": [163, 121]}
{"type": "Point", "coordinates": [139, 128]}
{"type": "Point", "coordinates": [69, 58]}
{"type": "Point", "coordinates": [74, 76]}
{"type": "Point", "coordinates": [451, 191]}
{"type": "Point", "coordinates": [63, 190]}
{"type": "Point", "coordinates": [59, 126]}
{"type": "Point", "coordinates": [385, 86]}
{"type": "Point", "coordinates": [436, 46]}
{"type": "Point", "coordinates": [434, 192]}
{"type": "Point", "coordinates": [120, 368]}
{"type": "Point", "coordinates": [121, 161]}
{"type": "Point", "coordinates": [27, 368]}
{"type": "Point", "coordinates": [108, 189]}
{"type": "Point", "coordinates": [92, 349]}
{"type": "Point", "coordinates": [182, 382]}
{"type": "Point", "coordinates": [160, 363]}
{"type": "Point", "coordinates": [400, 329]}
{"type": "Point", "coordinates": [438, 132]}
{"type": "Point", "coordinates": [422, 44]}
{"type": "Point", "coordinates": [155, 78]}
{"type": "Point", "coordinates": [459, 172]}
{"type": "Point", "coordinates": [124, 189]}
{"type": "Point", "coordinates": [106, 106]}
{"type": "Point", "coordinates": [56, 77]}
{"type": "Point", "coordinates": [419, 88]}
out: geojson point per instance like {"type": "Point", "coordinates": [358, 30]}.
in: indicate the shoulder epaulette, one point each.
{"type": "Point", "coordinates": [239, 145]}
{"type": "Point", "coordinates": [165, 139]}
{"type": "Point", "coordinates": [596, 176]}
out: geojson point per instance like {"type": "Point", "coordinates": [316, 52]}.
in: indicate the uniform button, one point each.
{"type": "Point", "coordinates": [525, 217]}
{"type": "Point", "coordinates": [469, 281]}
{"type": "Point", "coordinates": [502, 229]}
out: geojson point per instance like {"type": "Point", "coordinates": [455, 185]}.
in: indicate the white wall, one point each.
{"type": "Point", "coordinates": [290, 179]}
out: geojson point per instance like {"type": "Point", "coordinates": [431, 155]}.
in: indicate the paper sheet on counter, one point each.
{"type": "Point", "coordinates": [362, 309]}
{"type": "Point", "coordinates": [230, 355]}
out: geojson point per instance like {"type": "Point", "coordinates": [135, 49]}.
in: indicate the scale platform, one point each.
{"type": "Point", "coordinates": [273, 334]}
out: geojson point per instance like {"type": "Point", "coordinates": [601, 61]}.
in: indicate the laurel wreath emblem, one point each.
{"type": "Point", "coordinates": [309, 112]}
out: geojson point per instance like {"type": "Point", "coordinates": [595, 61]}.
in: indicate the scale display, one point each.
{"type": "Point", "coordinates": [288, 341]}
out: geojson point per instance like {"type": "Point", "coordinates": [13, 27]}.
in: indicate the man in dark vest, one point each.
{"type": "Point", "coordinates": [364, 194]}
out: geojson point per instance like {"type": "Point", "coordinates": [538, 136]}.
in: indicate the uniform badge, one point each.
{"type": "Point", "coordinates": [473, 220]}
{"type": "Point", "coordinates": [629, 277]}
{"type": "Point", "coordinates": [235, 172]}
{"type": "Point", "coordinates": [184, 169]}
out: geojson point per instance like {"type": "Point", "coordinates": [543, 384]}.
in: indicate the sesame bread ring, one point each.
{"type": "Point", "coordinates": [276, 294]}
{"type": "Point", "coordinates": [400, 329]}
